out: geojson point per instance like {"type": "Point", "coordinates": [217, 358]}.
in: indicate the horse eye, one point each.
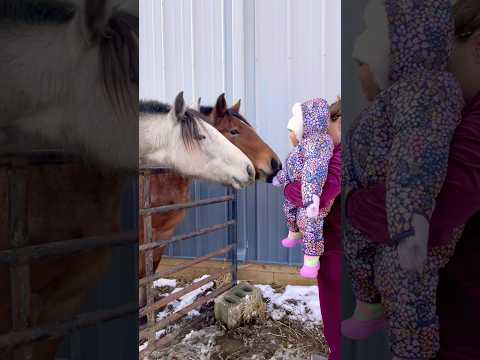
{"type": "Point", "coordinates": [234, 132]}
{"type": "Point", "coordinates": [201, 137]}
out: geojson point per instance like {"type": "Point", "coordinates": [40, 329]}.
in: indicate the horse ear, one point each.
{"type": "Point", "coordinates": [236, 106]}
{"type": "Point", "coordinates": [221, 106]}
{"type": "Point", "coordinates": [179, 105]}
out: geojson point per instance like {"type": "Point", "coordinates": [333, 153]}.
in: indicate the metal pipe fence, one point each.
{"type": "Point", "coordinates": [148, 331]}
{"type": "Point", "coordinates": [21, 254]}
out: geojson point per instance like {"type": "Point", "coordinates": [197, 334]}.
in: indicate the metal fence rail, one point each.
{"type": "Point", "coordinates": [148, 331]}
{"type": "Point", "coordinates": [21, 254]}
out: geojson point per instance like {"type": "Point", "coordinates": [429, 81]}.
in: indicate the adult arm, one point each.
{"type": "Point", "coordinates": [457, 201]}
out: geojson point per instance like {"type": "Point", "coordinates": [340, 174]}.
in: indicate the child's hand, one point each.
{"type": "Point", "coordinates": [275, 182]}
{"type": "Point", "coordinates": [313, 208]}
{"type": "Point", "coordinates": [412, 251]}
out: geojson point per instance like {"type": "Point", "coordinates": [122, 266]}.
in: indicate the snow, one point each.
{"type": "Point", "coordinates": [300, 303]}
{"type": "Point", "coordinates": [165, 282]}
{"type": "Point", "coordinates": [296, 302]}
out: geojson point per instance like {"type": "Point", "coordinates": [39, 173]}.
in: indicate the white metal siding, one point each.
{"type": "Point", "coordinates": [269, 53]}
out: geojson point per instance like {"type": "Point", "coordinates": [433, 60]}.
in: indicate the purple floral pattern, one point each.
{"type": "Point", "coordinates": [403, 139]}
{"type": "Point", "coordinates": [308, 163]}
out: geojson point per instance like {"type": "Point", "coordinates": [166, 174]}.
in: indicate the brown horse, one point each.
{"type": "Point", "coordinates": [170, 188]}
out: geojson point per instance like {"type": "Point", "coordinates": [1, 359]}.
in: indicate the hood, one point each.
{"type": "Point", "coordinates": [421, 36]}
{"type": "Point", "coordinates": [316, 114]}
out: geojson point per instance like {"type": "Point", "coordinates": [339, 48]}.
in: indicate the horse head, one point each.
{"type": "Point", "coordinates": [239, 132]}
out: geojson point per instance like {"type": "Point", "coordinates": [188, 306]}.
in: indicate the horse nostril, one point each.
{"type": "Point", "coordinates": [275, 165]}
{"type": "Point", "coordinates": [250, 171]}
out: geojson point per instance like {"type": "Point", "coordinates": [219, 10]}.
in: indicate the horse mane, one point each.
{"type": "Point", "coordinates": [119, 46]}
{"type": "Point", "coordinates": [207, 110]}
{"type": "Point", "coordinates": [189, 120]}
{"type": "Point", "coordinates": [153, 107]}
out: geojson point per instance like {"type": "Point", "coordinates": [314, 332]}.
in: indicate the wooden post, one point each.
{"type": "Point", "coordinates": [19, 273]}
{"type": "Point", "coordinates": [148, 234]}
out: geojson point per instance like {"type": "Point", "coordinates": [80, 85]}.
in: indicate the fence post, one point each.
{"type": "Point", "coordinates": [148, 234]}
{"type": "Point", "coordinates": [19, 273]}
{"type": "Point", "coordinates": [233, 234]}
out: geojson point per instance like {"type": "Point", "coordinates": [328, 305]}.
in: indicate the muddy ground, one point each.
{"type": "Point", "coordinates": [200, 337]}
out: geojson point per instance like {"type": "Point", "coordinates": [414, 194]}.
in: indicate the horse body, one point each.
{"type": "Point", "coordinates": [171, 188]}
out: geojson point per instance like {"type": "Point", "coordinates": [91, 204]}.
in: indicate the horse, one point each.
{"type": "Point", "coordinates": [181, 138]}
{"type": "Point", "coordinates": [69, 76]}
{"type": "Point", "coordinates": [170, 187]}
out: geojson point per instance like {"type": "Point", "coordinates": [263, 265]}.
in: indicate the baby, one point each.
{"type": "Point", "coordinates": [308, 164]}
{"type": "Point", "coordinates": [403, 140]}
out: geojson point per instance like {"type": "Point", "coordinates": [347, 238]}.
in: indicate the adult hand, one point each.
{"type": "Point", "coordinates": [313, 208]}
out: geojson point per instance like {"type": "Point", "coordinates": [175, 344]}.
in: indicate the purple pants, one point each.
{"type": "Point", "coordinates": [330, 273]}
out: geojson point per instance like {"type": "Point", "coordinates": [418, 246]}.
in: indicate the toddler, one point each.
{"type": "Point", "coordinates": [403, 140]}
{"type": "Point", "coordinates": [308, 164]}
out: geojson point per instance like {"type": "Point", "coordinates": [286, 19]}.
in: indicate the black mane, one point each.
{"type": "Point", "coordinates": [154, 107]}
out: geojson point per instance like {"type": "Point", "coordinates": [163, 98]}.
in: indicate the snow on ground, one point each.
{"type": "Point", "coordinates": [296, 303]}
{"type": "Point", "coordinates": [299, 303]}
{"type": "Point", "coordinates": [185, 300]}
{"type": "Point", "coordinates": [165, 282]}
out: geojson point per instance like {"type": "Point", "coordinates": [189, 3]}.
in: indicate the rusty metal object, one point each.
{"type": "Point", "coordinates": [19, 273]}
{"type": "Point", "coordinates": [148, 331]}
{"type": "Point", "coordinates": [204, 231]}
{"type": "Point", "coordinates": [57, 329]}
{"type": "Point", "coordinates": [24, 255]}
{"type": "Point", "coordinates": [165, 208]}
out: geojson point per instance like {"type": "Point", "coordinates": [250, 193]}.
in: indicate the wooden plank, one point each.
{"type": "Point", "coordinates": [255, 273]}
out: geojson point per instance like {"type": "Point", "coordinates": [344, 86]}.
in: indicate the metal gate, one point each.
{"type": "Point", "coordinates": [149, 330]}
{"type": "Point", "coordinates": [21, 254]}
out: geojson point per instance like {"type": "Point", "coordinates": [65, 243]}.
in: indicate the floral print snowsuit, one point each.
{"type": "Point", "coordinates": [308, 163]}
{"type": "Point", "coordinates": [403, 139]}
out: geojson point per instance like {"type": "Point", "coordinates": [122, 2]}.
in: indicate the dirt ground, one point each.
{"type": "Point", "coordinates": [203, 338]}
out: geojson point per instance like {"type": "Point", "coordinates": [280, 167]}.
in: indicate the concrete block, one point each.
{"type": "Point", "coordinates": [241, 304]}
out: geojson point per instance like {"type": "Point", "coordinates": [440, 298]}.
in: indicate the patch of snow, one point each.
{"type": "Point", "coordinates": [296, 302]}
{"type": "Point", "coordinates": [185, 300]}
{"type": "Point", "coordinates": [165, 282]}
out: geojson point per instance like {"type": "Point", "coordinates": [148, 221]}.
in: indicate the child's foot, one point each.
{"type": "Point", "coordinates": [311, 265]}
{"type": "Point", "coordinates": [367, 319]}
{"type": "Point", "coordinates": [309, 272]}
{"type": "Point", "coordinates": [293, 239]}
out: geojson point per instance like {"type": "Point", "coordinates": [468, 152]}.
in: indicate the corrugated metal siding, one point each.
{"type": "Point", "coordinates": [269, 53]}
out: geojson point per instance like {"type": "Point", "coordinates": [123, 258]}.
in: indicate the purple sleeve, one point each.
{"type": "Point", "coordinates": [333, 184]}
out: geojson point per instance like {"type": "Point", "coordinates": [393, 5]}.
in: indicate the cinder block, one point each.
{"type": "Point", "coordinates": [240, 304]}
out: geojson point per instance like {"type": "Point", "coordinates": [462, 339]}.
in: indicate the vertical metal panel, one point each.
{"type": "Point", "coordinates": [269, 53]}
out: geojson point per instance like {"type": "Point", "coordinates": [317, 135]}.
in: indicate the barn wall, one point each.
{"type": "Point", "coordinates": [270, 54]}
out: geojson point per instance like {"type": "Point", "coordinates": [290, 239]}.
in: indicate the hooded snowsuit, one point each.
{"type": "Point", "coordinates": [308, 163]}
{"type": "Point", "coordinates": [403, 140]}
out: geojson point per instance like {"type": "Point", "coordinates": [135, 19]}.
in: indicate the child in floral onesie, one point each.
{"type": "Point", "coordinates": [308, 164]}
{"type": "Point", "coordinates": [403, 139]}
